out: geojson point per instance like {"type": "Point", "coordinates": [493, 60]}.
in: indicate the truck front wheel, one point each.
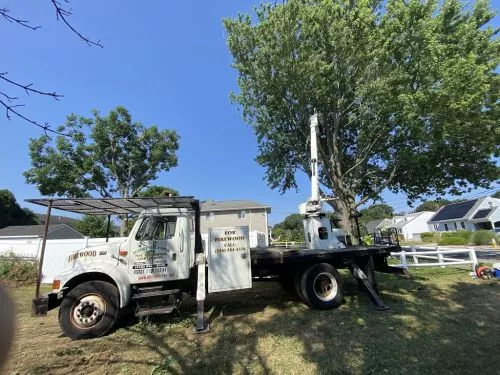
{"type": "Point", "coordinates": [89, 310]}
{"type": "Point", "coordinates": [321, 287]}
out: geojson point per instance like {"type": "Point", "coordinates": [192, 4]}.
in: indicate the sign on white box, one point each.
{"type": "Point", "coordinates": [229, 266]}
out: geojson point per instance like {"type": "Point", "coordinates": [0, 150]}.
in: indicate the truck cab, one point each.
{"type": "Point", "coordinates": [146, 273]}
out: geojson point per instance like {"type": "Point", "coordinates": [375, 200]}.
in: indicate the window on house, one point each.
{"type": "Point", "coordinates": [462, 225]}
{"type": "Point", "coordinates": [210, 216]}
{"type": "Point", "coordinates": [323, 233]}
{"type": "Point", "coordinates": [436, 227]}
{"type": "Point", "coordinates": [446, 227]}
{"type": "Point", "coordinates": [242, 214]}
{"type": "Point", "coordinates": [490, 204]}
{"type": "Point", "coordinates": [456, 226]}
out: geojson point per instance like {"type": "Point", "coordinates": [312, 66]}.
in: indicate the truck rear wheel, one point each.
{"type": "Point", "coordinates": [89, 310]}
{"type": "Point", "coordinates": [321, 287]}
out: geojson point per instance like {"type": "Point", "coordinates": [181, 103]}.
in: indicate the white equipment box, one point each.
{"type": "Point", "coordinates": [229, 265]}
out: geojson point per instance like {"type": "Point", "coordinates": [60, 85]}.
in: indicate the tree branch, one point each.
{"type": "Point", "coordinates": [28, 88]}
{"type": "Point", "coordinates": [62, 13]}
{"type": "Point", "coordinates": [379, 189]}
{"type": "Point", "coordinates": [10, 109]}
{"type": "Point", "coordinates": [4, 12]}
{"type": "Point", "coordinates": [361, 159]}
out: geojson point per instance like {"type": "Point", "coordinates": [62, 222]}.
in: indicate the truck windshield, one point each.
{"type": "Point", "coordinates": [156, 228]}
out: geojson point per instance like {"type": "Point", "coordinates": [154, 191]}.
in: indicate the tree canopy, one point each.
{"type": "Point", "coordinates": [11, 213]}
{"type": "Point", "coordinates": [108, 156]}
{"type": "Point", "coordinates": [290, 229]}
{"type": "Point", "coordinates": [158, 191]}
{"type": "Point", "coordinates": [92, 226]}
{"type": "Point", "coordinates": [407, 89]}
{"type": "Point", "coordinates": [375, 212]}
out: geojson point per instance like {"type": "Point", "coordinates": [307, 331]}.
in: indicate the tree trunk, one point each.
{"type": "Point", "coordinates": [344, 210]}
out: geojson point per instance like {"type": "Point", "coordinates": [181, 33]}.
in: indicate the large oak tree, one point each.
{"type": "Point", "coordinates": [408, 90]}
{"type": "Point", "coordinates": [108, 156]}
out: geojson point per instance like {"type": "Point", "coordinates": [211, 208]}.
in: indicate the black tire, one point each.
{"type": "Point", "coordinates": [297, 283]}
{"type": "Point", "coordinates": [321, 287]}
{"type": "Point", "coordinates": [89, 310]}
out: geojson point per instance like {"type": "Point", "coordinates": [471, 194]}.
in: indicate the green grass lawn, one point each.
{"type": "Point", "coordinates": [441, 321]}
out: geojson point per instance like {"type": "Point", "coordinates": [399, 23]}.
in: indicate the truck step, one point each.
{"type": "Point", "coordinates": [154, 310]}
{"type": "Point", "coordinates": [154, 293]}
{"type": "Point", "coordinates": [148, 288]}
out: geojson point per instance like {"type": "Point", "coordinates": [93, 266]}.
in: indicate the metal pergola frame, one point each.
{"type": "Point", "coordinates": [108, 207]}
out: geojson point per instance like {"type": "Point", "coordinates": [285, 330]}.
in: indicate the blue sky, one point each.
{"type": "Point", "coordinates": [167, 62]}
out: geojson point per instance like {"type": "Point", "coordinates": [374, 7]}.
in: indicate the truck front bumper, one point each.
{"type": "Point", "coordinates": [41, 305]}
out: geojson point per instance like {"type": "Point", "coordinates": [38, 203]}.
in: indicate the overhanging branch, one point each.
{"type": "Point", "coordinates": [4, 12]}
{"type": "Point", "coordinates": [379, 189]}
{"type": "Point", "coordinates": [11, 109]}
{"type": "Point", "coordinates": [28, 88]}
{"type": "Point", "coordinates": [62, 14]}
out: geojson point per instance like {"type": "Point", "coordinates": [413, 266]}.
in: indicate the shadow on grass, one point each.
{"type": "Point", "coordinates": [444, 326]}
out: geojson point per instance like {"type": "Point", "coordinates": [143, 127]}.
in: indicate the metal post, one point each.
{"type": "Point", "coordinates": [415, 257]}
{"type": "Point", "coordinates": [107, 228]}
{"type": "Point", "coordinates": [403, 259]}
{"type": "Point", "coordinates": [472, 256]}
{"type": "Point", "coordinates": [201, 325]}
{"type": "Point", "coordinates": [42, 253]}
{"type": "Point", "coordinates": [440, 257]}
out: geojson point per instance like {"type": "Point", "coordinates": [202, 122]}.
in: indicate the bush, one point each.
{"type": "Point", "coordinates": [465, 234]}
{"type": "Point", "coordinates": [17, 271]}
{"type": "Point", "coordinates": [448, 240]}
{"type": "Point", "coordinates": [429, 236]}
{"type": "Point", "coordinates": [483, 237]}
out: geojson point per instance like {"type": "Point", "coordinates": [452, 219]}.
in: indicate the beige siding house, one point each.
{"type": "Point", "coordinates": [216, 214]}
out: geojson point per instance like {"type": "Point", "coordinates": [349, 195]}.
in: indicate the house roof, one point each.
{"type": "Point", "coordinates": [375, 224]}
{"type": "Point", "coordinates": [28, 230]}
{"type": "Point", "coordinates": [55, 219]}
{"type": "Point", "coordinates": [482, 213]}
{"type": "Point", "coordinates": [486, 214]}
{"type": "Point", "coordinates": [406, 219]}
{"type": "Point", "coordinates": [454, 211]}
{"type": "Point", "coordinates": [209, 205]}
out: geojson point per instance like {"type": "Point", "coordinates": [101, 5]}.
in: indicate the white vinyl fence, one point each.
{"type": "Point", "coordinates": [433, 257]}
{"type": "Point", "coordinates": [56, 251]}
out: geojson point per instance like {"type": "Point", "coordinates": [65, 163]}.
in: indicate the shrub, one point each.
{"type": "Point", "coordinates": [465, 234]}
{"type": "Point", "coordinates": [429, 236]}
{"type": "Point", "coordinates": [483, 237]}
{"type": "Point", "coordinates": [448, 240]}
{"type": "Point", "coordinates": [17, 271]}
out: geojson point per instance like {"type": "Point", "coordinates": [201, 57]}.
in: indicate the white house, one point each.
{"type": "Point", "coordinates": [477, 214]}
{"type": "Point", "coordinates": [408, 226]}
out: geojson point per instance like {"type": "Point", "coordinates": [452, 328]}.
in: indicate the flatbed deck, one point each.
{"type": "Point", "coordinates": [341, 257]}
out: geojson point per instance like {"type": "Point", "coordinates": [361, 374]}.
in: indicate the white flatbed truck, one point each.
{"type": "Point", "coordinates": [164, 257]}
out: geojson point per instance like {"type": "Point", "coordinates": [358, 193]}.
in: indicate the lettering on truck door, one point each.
{"type": "Point", "coordinates": [154, 250]}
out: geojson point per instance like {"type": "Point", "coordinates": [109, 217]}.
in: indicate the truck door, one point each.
{"type": "Point", "coordinates": [154, 250]}
{"type": "Point", "coordinates": [229, 265]}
